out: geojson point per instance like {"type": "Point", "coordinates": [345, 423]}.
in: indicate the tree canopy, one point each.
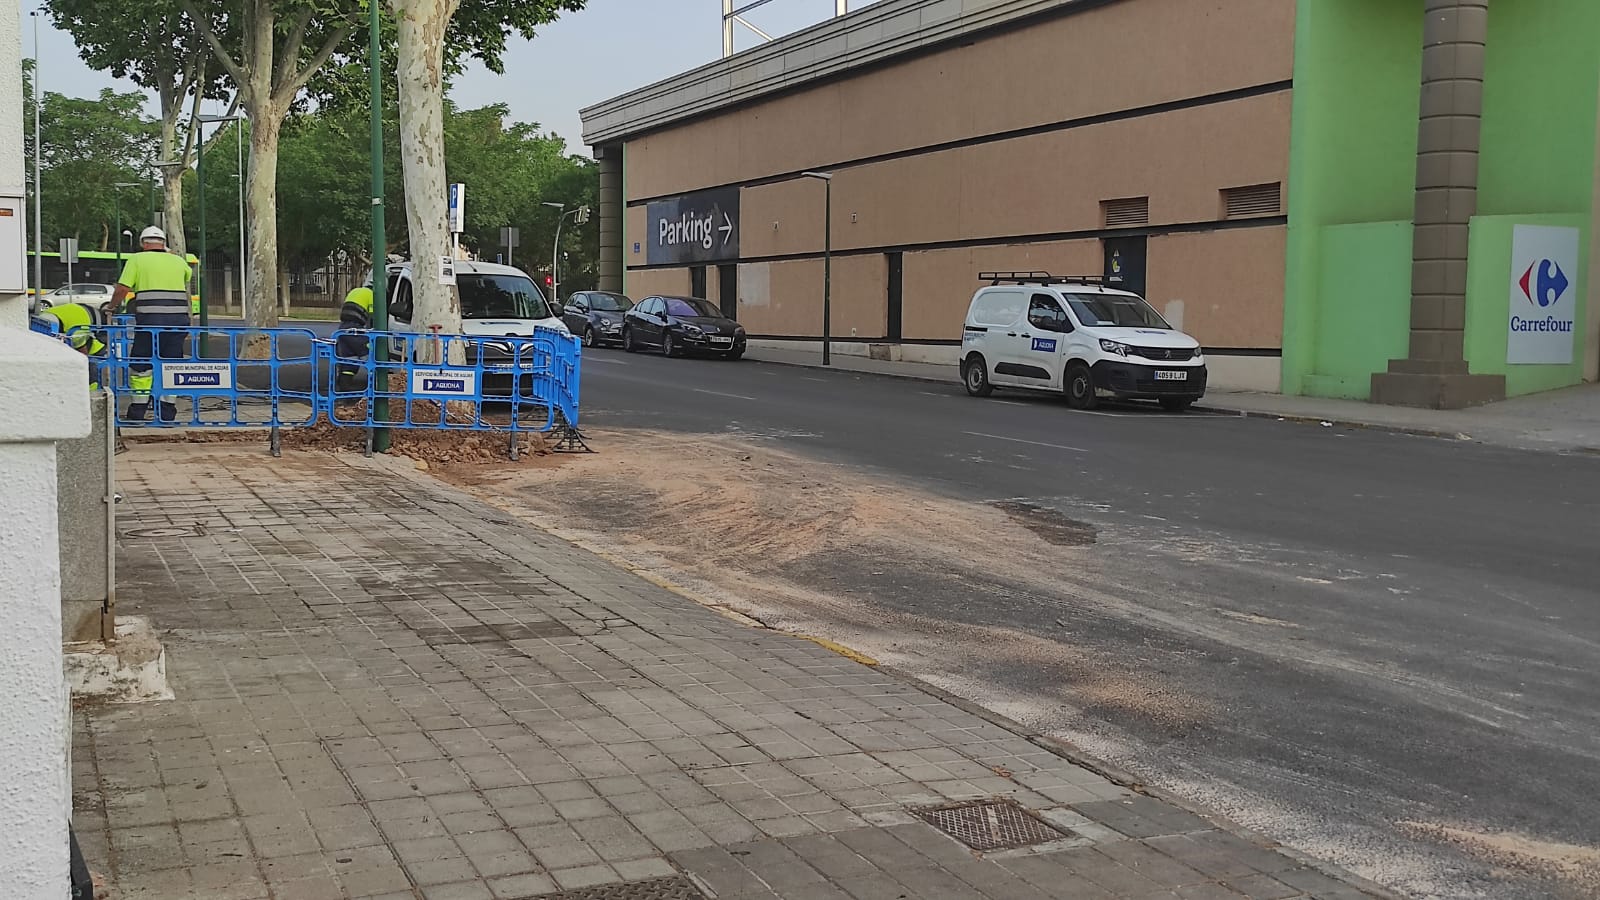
{"type": "Point", "coordinates": [90, 146]}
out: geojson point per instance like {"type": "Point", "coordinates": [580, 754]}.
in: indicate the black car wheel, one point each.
{"type": "Point", "coordinates": [734, 355]}
{"type": "Point", "coordinates": [669, 346]}
{"type": "Point", "coordinates": [975, 375]}
{"type": "Point", "coordinates": [1080, 387]}
{"type": "Point", "coordinates": [627, 340]}
{"type": "Point", "coordinates": [590, 339]}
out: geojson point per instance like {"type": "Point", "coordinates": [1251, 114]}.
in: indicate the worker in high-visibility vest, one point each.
{"type": "Point", "coordinates": [194, 298]}
{"type": "Point", "coordinates": [158, 283]}
{"type": "Point", "coordinates": [352, 350]}
{"type": "Point", "coordinates": [77, 323]}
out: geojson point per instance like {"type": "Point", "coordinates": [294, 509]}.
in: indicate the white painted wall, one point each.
{"type": "Point", "coordinates": [44, 398]}
{"type": "Point", "coordinates": [13, 176]}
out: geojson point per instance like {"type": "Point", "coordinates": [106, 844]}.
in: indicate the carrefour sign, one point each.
{"type": "Point", "coordinates": [1544, 295]}
{"type": "Point", "coordinates": [693, 228]}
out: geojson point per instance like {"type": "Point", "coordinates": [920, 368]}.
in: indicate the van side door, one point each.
{"type": "Point", "coordinates": [1047, 334]}
{"type": "Point", "coordinates": [992, 330]}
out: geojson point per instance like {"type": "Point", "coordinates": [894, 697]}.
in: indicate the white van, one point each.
{"type": "Point", "coordinates": [496, 301]}
{"type": "Point", "coordinates": [1076, 336]}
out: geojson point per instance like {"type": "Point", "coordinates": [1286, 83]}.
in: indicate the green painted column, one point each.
{"type": "Point", "coordinates": [1434, 373]}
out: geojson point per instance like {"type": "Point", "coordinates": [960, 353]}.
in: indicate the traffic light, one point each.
{"type": "Point", "coordinates": [549, 281]}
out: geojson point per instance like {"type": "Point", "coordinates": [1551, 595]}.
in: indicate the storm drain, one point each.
{"type": "Point", "coordinates": [990, 824]}
{"type": "Point", "coordinates": [674, 888]}
{"type": "Point", "coordinates": [164, 531]}
{"type": "Point", "coordinates": [493, 634]}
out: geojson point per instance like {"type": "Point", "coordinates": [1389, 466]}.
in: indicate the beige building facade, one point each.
{"type": "Point", "coordinates": [1146, 140]}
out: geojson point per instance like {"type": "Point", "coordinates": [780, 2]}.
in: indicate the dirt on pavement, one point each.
{"type": "Point", "coordinates": [812, 548]}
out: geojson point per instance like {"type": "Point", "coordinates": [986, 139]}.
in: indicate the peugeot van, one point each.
{"type": "Point", "coordinates": [1078, 337]}
{"type": "Point", "coordinates": [496, 301]}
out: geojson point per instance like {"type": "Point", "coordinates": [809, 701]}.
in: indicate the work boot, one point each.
{"type": "Point", "coordinates": [137, 411]}
{"type": "Point", "coordinates": [169, 411]}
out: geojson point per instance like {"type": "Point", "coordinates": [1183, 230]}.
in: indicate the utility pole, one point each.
{"type": "Point", "coordinates": [200, 201]}
{"type": "Point", "coordinates": [380, 244]}
{"type": "Point", "coordinates": [827, 260]}
{"type": "Point", "coordinates": [117, 202]}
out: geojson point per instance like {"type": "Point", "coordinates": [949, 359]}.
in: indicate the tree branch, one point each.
{"type": "Point", "coordinates": [229, 64]}
{"type": "Point", "coordinates": [292, 46]}
{"type": "Point", "coordinates": [303, 77]}
{"type": "Point", "coordinates": [189, 137]}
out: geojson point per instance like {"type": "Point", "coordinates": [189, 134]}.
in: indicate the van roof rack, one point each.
{"type": "Point", "coordinates": [995, 278]}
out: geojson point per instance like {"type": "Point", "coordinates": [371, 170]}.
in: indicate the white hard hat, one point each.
{"type": "Point", "coordinates": [153, 233]}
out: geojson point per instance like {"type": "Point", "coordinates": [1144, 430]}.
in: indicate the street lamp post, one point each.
{"type": "Point", "coordinates": [380, 249]}
{"type": "Point", "coordinates": [117, 202]}
{"type": "Point", "coordinates": [200, 175]}
{"type": "Point", "coordinates": [827, 260]}
{"type": "Point", "coordinates": [555, 282]}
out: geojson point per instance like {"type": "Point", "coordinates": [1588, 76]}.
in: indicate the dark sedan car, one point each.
{"type": "Point", "coordinates": [680, 325]}
{"type": "Point", "coordinates": [596, 317]}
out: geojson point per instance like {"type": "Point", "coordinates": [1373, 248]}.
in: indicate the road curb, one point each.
{"type": "Point", "coordinates": [903, 376]}
{"type": "Point", "coordinates": [1346, 423]}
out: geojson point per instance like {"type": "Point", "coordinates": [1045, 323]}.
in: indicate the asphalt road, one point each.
{"type": "Point", "coordinates": [1383, 635]}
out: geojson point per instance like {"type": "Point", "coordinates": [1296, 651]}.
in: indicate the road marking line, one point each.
{"type": "Point", "coordinates": [721, 394]}
{"type": "Point", "coordinates": [999, 437]}
{"type": "Point", "coordinates": [609, 362]}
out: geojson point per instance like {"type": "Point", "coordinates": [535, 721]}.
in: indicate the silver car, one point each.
{"type": "Point", "coordinates": [95, 295]}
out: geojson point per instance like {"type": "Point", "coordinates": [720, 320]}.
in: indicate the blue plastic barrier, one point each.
{"type": "Point", "coordinates": [485, 383]}
{"type": "Point", "coordinates": [230, 377]}
{"type": "Point", "coordinates": [287, 377]}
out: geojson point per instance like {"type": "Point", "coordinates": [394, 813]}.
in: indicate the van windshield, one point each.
{"type": "Point", "coordinates": [501, 297]}
{"type": "Point", "coordinates": [1115, 309]}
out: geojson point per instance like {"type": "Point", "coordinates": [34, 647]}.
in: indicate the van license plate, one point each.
{"type": "Point", "coordinates": [1172, 376]}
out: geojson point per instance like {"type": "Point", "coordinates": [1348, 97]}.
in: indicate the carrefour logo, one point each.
{"type": "Point", "coordinates": [1547, 287]}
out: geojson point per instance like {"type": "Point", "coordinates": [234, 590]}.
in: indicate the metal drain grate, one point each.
{"type": "Point", "coordinates": [164, 531]}
{"type": "Point", "coordinates": [674, 888]}
{"type": "Point", "coordinates": [990, 824]}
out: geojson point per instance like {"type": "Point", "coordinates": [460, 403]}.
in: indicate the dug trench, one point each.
{"type": "Point", "coordinates": [1065, 622]}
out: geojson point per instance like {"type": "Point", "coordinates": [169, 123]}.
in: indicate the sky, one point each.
{"type": "Point", "coordinates": [610, 48]}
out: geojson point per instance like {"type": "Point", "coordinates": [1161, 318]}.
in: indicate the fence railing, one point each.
{"type": "Point", "coordinates": [290, 377]}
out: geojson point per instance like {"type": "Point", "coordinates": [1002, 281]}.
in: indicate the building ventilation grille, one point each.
{"type": "Point", "coordinates": [1129, 212]}
{"type": "Point", "coordinates": [1252, 201]}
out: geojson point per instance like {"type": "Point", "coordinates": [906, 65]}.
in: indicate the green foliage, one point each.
{"type": "Point", "coordinates": [510, 169]}
{"type": "Point", "coordinates": [479, 28]}
{"type": "Point", "coordinates": [91, 145]}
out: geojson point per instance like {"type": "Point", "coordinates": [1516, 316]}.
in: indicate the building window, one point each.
{"type": "Point", "coordinates": [1129, 212]}
{"type": "Point", "coordinates": [1252, 201]}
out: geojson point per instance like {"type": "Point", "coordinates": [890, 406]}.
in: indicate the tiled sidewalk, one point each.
{"type": "Point", "coordinates": [386, 689]}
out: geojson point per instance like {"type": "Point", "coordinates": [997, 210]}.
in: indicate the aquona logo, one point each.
{"type": "Point", "coordinates": [1543, 284]}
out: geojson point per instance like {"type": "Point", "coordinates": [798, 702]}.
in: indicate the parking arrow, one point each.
{"type": "Point", "coordinates": [726, 229]}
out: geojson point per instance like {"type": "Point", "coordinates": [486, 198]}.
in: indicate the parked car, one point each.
{"type": "Point", "coordinates": [1041, 332]}
{"type": "Point", "coordinates": [596, 316]}
{"type": "Point", "coordinates": [496, 300]}
{"type": "Point", "coordinates": [680, 325]}
{"type": "Point", "coordinates": [92, 294]}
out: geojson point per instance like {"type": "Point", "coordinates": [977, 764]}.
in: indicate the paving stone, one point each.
{"type": "Point", "coordinates": [338, 745]}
